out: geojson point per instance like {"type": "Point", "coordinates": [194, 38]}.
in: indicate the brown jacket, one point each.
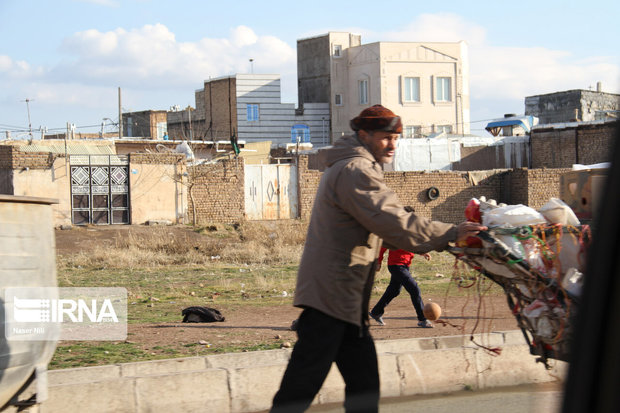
{"type": "Point", "coordinates": [353, 210]}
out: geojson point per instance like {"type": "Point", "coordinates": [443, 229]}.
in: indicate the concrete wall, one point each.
{"type": "Point", "coordinates": [52, 182]}
{"type": "Point", "coordinates": [247, 382]}
{"type": "Point", "coordinates": [313, 70]}
{"type": "Point", "coordinates": [571, 105]}
{"type": "Point", "coordinates": [180, 127]}
{"type": "Point", "coordinates": [37, 174]}
{"type": "Point", "coordinates": [157, 188]}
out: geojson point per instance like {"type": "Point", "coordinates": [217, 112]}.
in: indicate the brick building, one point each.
{"type": "Point", "coordinates": [564, 144]}
{"type": "Point", "coordinates": [249, 107]}
{"type": "Point", "coordinates": [150, 124]}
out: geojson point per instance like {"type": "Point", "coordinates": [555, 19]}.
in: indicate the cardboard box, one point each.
{"type": "Point", "coordinates": [582, 190]}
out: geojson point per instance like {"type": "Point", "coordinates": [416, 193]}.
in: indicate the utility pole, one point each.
{"type": "Point", "coordinates": [120, 115]}
{"type": "Point", "coordinates": [189, 112]}
{"type": "Point", "coordinates": [29, 123]}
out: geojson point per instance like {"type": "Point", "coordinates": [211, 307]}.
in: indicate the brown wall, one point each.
{"type": "Point", "coordinates": [533, 187]}
{"type": "Point", "coordinates": [6, 181]}
{"type": "Point", "coordinates": [218, 192]}
{"type": "Point", "coordinates": [11, 158]}
{"type": "Point", "coordinates": [220, 103]}
{"type": "Point", "coordinates": [584, 144]}
{"type": "Point", "coordinates": [308, 185]}
{"type": "Point", "coordinates": [543, 184]}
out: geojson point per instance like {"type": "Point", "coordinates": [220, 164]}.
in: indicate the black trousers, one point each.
{"type": "Point", "coordinates": [401, 277]}
{"type": "Point", "coordinates": [322, 340]}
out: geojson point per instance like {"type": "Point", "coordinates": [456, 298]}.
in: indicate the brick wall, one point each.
{"type": "Point", "coordinates": [595, 143]}
{"type": "Point", "coordinates": [155, 158]}
{"type": "Point", "coordinates": [308, 184]}
{"type": "Point", "coordinates": [218, 192]}
{"type": "Point", "coordinates": [543, 184]}
{"type": "Point", "coordinates": [533, 187]}
{"type": "Point", "coordinates": [12, 158]}
{"type": "Point", "coordinates": [220, 106]}
{"type": "Point", "coordinates": [554, 148]}
{"type": "Point", "coordinates": [6, 156]}
{"type": "Point", "coordinates": [578, 143]}
{"type": "Point", "coordinates": [516, 187]}
{"type": "Point", "coordinates": [455, 191]}
{"type": "Point", "coordinates": [6, 181]}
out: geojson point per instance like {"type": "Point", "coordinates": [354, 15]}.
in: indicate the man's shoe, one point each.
{"type": "Point", "coordinates": [377, 318]}
{"type": "Point", "coordinates": [425, 324]}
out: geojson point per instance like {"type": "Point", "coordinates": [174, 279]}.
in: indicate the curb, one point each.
{"type": "Point", "coordinates": [247, 382]}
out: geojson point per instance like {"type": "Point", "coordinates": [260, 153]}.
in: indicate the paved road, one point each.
{"type": "Point", "coordinates": [545, 398]}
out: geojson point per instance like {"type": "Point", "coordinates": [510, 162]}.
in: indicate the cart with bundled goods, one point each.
{"type": "Point", "coordinates": [538, 259]}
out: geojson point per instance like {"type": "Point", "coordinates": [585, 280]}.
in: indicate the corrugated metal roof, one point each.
{"type": "Point", "coordinates": [72, 148]}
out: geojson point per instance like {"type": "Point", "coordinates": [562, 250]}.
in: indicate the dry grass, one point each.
{"type": "Point", "coordinates": [270, 243]}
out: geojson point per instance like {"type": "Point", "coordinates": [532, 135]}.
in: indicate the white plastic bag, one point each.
{"type": "Point", "coordinates": [557, 212]}
{"type": "Point", "coordinates": [512, 216]}
{"type": "Point", "coordinates": [573, 281]}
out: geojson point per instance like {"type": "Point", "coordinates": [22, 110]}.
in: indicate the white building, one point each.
{"type": "Point", "coordinates": [426, 83]}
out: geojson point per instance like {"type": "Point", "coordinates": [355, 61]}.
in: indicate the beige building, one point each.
{"type": "Point", "coordinates": [426, 83]}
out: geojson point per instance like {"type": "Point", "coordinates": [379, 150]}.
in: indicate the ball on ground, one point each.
{"type": "Point", "coordinates": [432, 311]}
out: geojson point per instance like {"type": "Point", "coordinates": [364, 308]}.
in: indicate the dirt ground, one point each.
{"type": "Point", "coordinates": [247, 326]}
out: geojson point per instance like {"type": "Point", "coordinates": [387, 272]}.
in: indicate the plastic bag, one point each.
{"type": "Point", "coordinates": [557, 212]}
{"type": "Point", "coordinates": [512, 215]}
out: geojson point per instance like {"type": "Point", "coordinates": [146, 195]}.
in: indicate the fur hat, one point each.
{"type": "Point", "coordinates": [379, 118]}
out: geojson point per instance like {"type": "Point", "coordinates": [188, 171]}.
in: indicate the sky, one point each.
{"type": "Point", "coordinates": [65, 60]}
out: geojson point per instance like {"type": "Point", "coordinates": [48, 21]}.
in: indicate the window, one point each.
{"type": "Point", "coordinates": [252, 112]}
{"type": "Point", "coordinates": [300, 133]}
{"type": "Point", "coordinates": [412, 131]}
{"type": "Point", "coordinates": [443, 128]}
{"type": "Point", "coordinates": [338, 100]}
{"type": "Point", "coordinates": [162, 130]}
{"type": "Point", "coordinates": [337, 50]}
{"type": "Point", "coordinates": [363, 91]}
{"type": "Point", "coordinates": [443, 91]}
{"type": "Point", "coordinates": [411, 92]}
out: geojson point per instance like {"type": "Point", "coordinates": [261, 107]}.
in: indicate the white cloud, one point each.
{"type": "Point", "coordinates": [440, 27]}
{"type": "Point", "coordinates": [153, 69]}
{"type": "Point", "coordinates": [243, 36]}
{"type": "Point", "coordinates": [151, 57]}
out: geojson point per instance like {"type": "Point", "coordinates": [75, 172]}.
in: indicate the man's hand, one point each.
{"type": "Point", "coordinates": [427, 256]}
{"type": "Point", "coordinates": [468, 229]}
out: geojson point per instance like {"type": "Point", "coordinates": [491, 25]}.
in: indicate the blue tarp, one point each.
{"type": "Point", "coordinates": [525, 122]}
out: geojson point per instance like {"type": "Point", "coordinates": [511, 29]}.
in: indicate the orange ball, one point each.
{"type": "Point", "coordinates": [432, 311]}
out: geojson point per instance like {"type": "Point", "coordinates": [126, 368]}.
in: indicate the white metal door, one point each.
{"type": "Point", "coordinates": [270, 192]}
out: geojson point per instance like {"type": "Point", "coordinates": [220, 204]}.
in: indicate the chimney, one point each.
{"type": "Point", "coordinates": [599, 86]}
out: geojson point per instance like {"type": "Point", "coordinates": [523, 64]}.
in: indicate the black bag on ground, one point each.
{"type": "Point", "coordinates": [201, 315]}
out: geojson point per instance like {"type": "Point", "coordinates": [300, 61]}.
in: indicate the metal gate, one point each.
{"type": "Point", "coordinates": [99, 189]}
{"type": "Point", "coordinates": [270, 192]}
